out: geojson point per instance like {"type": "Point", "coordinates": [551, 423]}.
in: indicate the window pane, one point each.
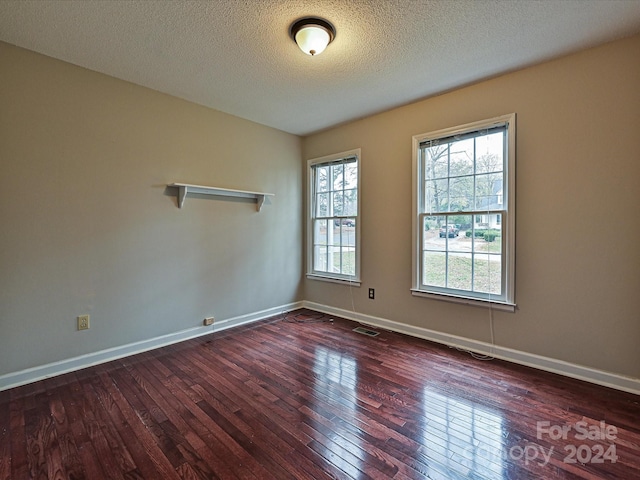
{"type": "Point", "coordinates": [459, 271]}
{"type": "Point", "coordinates": [320, 246]}
{"type": "Point", "coordinates": [334, 238]}
{"type": "Point", "coordinates": [461, 158]}
{"type": "Point", "coordinates": [488, 255]}
{"type": "Point", "coordinates": [489, 191]}
{"type": "Point", "coordinates": [338, 203]}
{"type": "Point", "coordinates": [322, 205]}
{"type": "Point", "coordinates": [322, 173]}
{"type": "Point", "coordinates": [488, 273]}
{"type": "Point", "coordinates": [338, 177]}
{"type": "Point", "coordinates": [436, 161]}
{"type": "Point", "coordinates": [480, 223]}
{"type": "Point", "coordinates": [463, 223]}
{"type": "Point", "coordinates": [432, 239]}
{"type": "Point", "coordinates": [479, 243]}
{"type": "Point", "coordinates": [320, 258]}
{"type": "Point", "coordinates": [351, 175]}
{"type": "Point", "coordinates": [434, 269]}
{"type": "Point", "coordinates": [350, 202]}
{"type": "Point", "coordinates": [448, 229]}
{"type": "Point", "coordinates": [348, 260]}
{"type": "Point", "coordinates": [320, 232]}
{"type": "Point", "coordinates": [334, 259]}
{"type": "Point", "coordinates": [436, 196]}
{"type": "Point", "coordinates": [488, 234]}
{"type": "Point", "coordinates": [461, 194]}
{"type": "Point", "coordinates": [348, 232]}
{"type": "Point", "coordinates": [490, 154]}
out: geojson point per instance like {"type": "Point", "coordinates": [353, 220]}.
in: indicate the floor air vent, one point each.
{"type": "Point", "coordinates": [366, 331]}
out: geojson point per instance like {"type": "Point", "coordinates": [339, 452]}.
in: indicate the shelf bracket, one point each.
{"type": "Point", "coordinates": [182, 193]}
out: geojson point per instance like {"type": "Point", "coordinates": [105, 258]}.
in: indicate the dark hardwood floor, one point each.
{"type": "Point", "coordinates": [303, 397]}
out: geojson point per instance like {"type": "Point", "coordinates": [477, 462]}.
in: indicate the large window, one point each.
{"type": "Point", "coordinates": [333, 230]}
{"type": "Point", "coordinates": [464, 213]}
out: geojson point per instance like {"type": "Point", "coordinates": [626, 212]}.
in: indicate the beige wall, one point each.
{"type": "Point", "coordinates": [87, 227]}
{"type": "Point", "coordinates": [578, 198]}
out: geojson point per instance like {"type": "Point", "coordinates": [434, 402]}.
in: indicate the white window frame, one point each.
{"type": "Point", "coordinates": [311, 209]}
{"type": "Point", "coordinates": [505, 301]}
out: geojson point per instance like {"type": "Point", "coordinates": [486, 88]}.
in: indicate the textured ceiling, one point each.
{"type": "Point", "coordinates": [236, 55]}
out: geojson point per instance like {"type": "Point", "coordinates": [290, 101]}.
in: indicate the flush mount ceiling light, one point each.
{"type": "Point", "coordinates": [312, 34]}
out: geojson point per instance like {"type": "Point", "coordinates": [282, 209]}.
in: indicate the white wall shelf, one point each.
{"type": "Point", "coordinates": [185, 188]}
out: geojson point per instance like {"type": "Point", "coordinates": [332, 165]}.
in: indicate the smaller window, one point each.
{"type": "Point", "coordinates": [333, 227]}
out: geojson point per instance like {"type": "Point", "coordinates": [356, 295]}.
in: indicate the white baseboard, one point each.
{"type": "Point", "coordinates": [34, 374]}
{"type": "Point", "coordinates": [599, 377]}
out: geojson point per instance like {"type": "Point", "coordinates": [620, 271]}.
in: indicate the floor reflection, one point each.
{"type": "Point", "coordinates": [336, 379]}
{"type": "Point", "coordinates": [462, 437]}
{"type": "Point", "coordinates": [455, 437]}
{"type": "Point", "coordinates": [335, 368]}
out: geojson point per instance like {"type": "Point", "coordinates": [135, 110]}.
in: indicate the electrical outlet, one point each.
{"type": "Point", "coordinates": [208, 321]}
{"type": "Point", "coordinates": [83, 322]}
{"type": "Point", "coordinates": [372, 293]}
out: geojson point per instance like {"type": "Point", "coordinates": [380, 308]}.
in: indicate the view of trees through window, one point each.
{"type": "Point", "coordinates": [335, 213]}
{"type": "Point", "coordinates": [461, 211]}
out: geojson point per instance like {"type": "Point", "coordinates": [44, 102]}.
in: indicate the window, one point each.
{"type": "Point", "coordinates": [333, 229]}
{"type": "Point", "coordinates": [464, 213]}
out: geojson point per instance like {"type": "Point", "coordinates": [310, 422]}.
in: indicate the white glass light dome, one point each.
{"type": "Point", "coordinates": [312, 35]}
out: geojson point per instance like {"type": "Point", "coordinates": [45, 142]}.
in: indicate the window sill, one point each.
{"type": "Point", "coordinates": [476, 302]}
{"type": "Point", "coordinates": [343, 281]}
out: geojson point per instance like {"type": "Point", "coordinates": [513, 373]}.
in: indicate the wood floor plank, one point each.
{"type": "Point", "coordinates": [85, 452]}
{"type": "Point", "coordinates": [104, 438]}
{"type": "Point", "coordinates": [146, 454]}
{"type": "Point", "coordinates": [43, 448]}
{"type": "Point", "coordinates": [213, 449]}
{"type": "Point", "coordinates": [18, 459]}
{"type": "Point", "coordinates": [5, 437]}
{"type": "Point", "coordinates": [254, 423]}
{"type": "Point", "coordinates": [66, 440]}
{"type": "Point", "coordinates": [302, 396]}
{"type": "Point", "coordinates": [238, 457]}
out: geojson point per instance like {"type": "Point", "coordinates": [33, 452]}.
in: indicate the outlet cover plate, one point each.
{"type": "Point", "coordinates": [83, 322]}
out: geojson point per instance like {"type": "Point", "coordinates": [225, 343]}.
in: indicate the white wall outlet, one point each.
{"type": "Point", "coordinates": [83, 322]}
{"type": "Point", "coordinates": [208, 321]}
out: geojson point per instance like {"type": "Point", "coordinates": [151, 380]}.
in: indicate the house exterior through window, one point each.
{"type": "Point", "coordinates": [333, 227]}
{"type": "Point", "coordinates": [464, 213]}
